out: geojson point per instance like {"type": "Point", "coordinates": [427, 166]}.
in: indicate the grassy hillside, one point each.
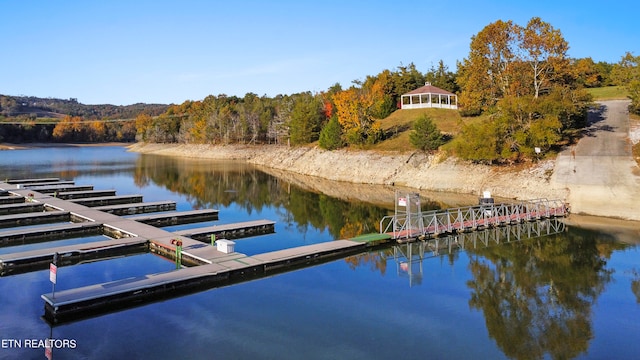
{"type": "Point", "coordinates": [609, 93]}
{"type": "Point", "coordinates": [399, 124]}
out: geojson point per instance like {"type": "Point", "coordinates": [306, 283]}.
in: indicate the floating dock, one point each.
{"type": "Point", "coordinates": [4, 200]}
{"type": "Point", "coordinates": [34, 218]}
{"type": "Point", "coordinates": [129, 235]}
{"type": "Point", "coordinates": [138, 208]}
{"type": "Point", "coordinates": [21, 208]}
{"type": "Point", "coordinates": [54, 232]}
{"type": "Point", "coordinates": [82, 194]}
{"type": "Point", "coordinates": [52, 189]}
{"type": "Point", "coordinates": [169, 218]}
{"type": "Point", "coordinates": [34, 260]}
{"type": "Point", "coordinates": [230, 231]}
{"type": "Point", "coordinates": [224, 269]}
{"type": "Point", "coordinates": [108, 200]}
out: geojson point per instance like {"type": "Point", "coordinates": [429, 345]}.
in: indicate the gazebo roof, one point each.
{"type": "Point", "coordinates": [429, 89]}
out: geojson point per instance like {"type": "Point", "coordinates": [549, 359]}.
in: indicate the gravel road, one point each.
{"type": "Point", "coordinates": [599, 170]}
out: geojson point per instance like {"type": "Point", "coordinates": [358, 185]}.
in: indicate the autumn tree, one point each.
{"type": "Point", "coordinates": [68, 129]}
{"type": "Point", "coordinates": [381, 90]}
{"type": "Point", "coordinates": [143, 125]}
{"type": "Point", "coordinates": [523, 76]}
{"type": "Point", "coordinates": [587, 73]}
{"type": "Point", "coordinates": [544, 49]}
{"type": "Point", "coordinates": [353, 108]}
{"type": "Point", "coordinates": [485, 76]}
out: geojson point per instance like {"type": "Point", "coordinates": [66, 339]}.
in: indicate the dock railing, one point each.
{"type": "Point", "coordinates": [470, 218]}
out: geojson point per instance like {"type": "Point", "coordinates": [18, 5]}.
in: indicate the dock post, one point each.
{"type": "Point", "coordinates": [53, 274]}
{"type": "Point", "coordinates": [178, 244]}
{"type": "Point", "coordinates": [213, 239]}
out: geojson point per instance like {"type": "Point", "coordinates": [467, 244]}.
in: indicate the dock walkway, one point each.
{"type": "Point", "coordinates": [228, 268]}
{"type": "Point", "coordinates": [121, 229]}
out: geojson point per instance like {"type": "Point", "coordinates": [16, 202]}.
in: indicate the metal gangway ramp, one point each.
{"type": "Point", "coordinates": [410, 222]}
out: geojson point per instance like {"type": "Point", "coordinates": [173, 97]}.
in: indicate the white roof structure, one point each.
{"type": "Point", "coordinates": [429, 96]}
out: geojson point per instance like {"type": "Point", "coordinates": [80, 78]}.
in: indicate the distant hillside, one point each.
{"type": "Point", "coordinates": [34, 107]}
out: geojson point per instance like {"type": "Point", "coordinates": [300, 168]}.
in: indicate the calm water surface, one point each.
{"type": "Point", "coordinates": [569, 295]}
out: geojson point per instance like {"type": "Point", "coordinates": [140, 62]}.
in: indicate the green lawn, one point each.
{"type": "Point", "coordinates": [609, 93]}
{"type": "Point", "coordinates": [398, 125]}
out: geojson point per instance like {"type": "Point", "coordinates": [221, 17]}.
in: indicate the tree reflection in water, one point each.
{"type": "Point", "coordinates": [537, 295]}
{"type": "Point", "coordinates": [635, 285]}
{"type": "Point", "coordinates": [215, 184]}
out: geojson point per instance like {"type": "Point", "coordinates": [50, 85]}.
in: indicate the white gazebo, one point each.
{"type": "Point", "coordinates": [429, 96]}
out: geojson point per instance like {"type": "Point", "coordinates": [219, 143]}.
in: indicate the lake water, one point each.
{"type": "Point", "coordinates": [570, 295]}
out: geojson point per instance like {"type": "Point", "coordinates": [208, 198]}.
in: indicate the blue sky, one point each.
{"type": "Point", "coordinates": [126, 51]}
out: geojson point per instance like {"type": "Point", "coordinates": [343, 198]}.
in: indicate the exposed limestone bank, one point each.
{"type": "Point", "coordinates": [411, 170]}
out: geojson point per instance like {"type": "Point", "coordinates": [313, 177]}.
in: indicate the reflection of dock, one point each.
{"type": "Point", "coordinates": [410, 255]}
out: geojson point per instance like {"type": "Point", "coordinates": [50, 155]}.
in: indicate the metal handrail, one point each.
{"type": "Point", "coordinates": [436, 222]}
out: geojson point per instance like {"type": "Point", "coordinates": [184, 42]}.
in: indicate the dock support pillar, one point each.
{"type": "Point", "coordinates": [178, 244]}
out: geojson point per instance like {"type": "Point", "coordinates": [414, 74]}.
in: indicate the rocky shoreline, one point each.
{"type": "Point", "coordinates": [414, 170]}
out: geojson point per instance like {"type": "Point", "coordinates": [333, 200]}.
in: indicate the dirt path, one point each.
{"type": "Point", "coordinates": [599, 171]}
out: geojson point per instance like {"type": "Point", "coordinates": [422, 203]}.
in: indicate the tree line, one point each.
{"type": "Point", "coordinates": [518, 80]}
{"type": "Point", "coordinates": [530, 94]}
{"type": "Point", "coordinates": [33, 119]}
{"type": "Point", "coordinates": [68, 129]}
{"type": "Point", "coordinates": [292, 119]}
{"type": "Point", "coordinates": [31, 108]}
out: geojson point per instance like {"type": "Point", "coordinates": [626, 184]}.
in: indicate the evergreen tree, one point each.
{"type": "Point", "coordinates": [425, 135]}
{"type": "Point", "coordinates": [331, 135]}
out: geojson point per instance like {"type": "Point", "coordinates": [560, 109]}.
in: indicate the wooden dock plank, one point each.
{"type": "Point", "coordinates": [67, 249]}
{"type": "Point", "coordinates": [133, 284]}
{"type": "Point", "coordinates": [176, 217]}
{"type": "Point", "coordinates": [45, 233]}
{"type": "Point", "coordinates": [44, 183]}
{"type": "Point", "coordinates": [138, 208]}
{"type": "Point", "coordinates": [26, 181]}
{"type": "Point", "coordinates": [50, 189]}
{"type": "Point", "coordinates": [34, 218]}
{"type": "Point", "coordinates": [228, 269]}
{"type": "Point", "coordinates": [6, 200]}
{"type": "Point", "coordinates": [21, 208]}
{"type": "Point", "coordinates": [307, 250]}
{"type": "Point", "coordinates": [68, 195]}
{"type": "Point", "coordinates": [21, 262]}
{"type": "Point", "coordinates": [230, 231]}
{"type": "Point", "coordinates": [108, 200]}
